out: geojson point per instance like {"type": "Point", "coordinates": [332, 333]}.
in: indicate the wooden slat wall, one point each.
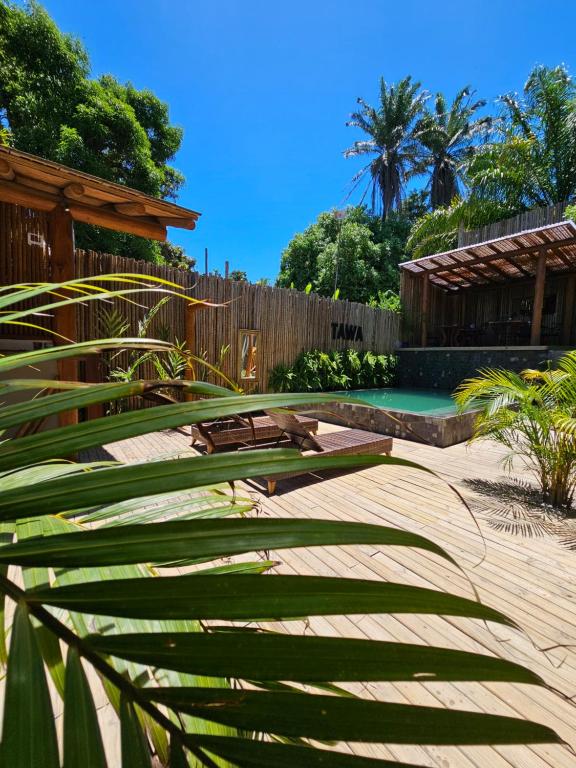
{"type": "Point", "coordinates": [288, 321]}
{"type": "Point", "coordinates": [537, 217]}
{"type": "Point", "coordinates": [472, 306]}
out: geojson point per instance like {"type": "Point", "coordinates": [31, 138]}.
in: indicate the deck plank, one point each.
{"type": "Point", "coordinates": [530, 579]}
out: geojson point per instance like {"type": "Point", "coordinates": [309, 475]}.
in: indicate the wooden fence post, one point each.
{"type": "Point", "coordinates": [62, 259]}
{"type": "Point", "coordinates": [191, 342]}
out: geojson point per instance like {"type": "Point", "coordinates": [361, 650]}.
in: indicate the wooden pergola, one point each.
{"type": "Point", "coordinates": [67, 195]}
{"type": "Point", "coordinates": [530, 255]}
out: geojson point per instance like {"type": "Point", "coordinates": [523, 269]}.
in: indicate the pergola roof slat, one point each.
{"type": "Point", "coordinates": [510, 256]}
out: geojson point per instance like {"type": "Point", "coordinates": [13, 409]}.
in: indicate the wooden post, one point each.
{"type": "Point", "coordinates": [226, 269]}
{"type": "Point", "coordinates": [62, 261]}
{"type": "Point", "coordinates": [424, 311]}
{"type": "Point", "coordinates": [569, 292]}
{"type": "Point", "coordinates": [205, 261]}
{"type": "Point", "coordinates": [191, 341]}
{"type": "Point", "coordinates": [538, 300]}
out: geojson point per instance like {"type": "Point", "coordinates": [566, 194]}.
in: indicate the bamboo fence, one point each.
{"type": "Point", "coordinates": [537, 217]}
{"type": "Point", "coordinates": [287, 321]}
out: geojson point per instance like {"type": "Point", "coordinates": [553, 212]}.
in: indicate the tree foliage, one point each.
{"type": "Point", "coordinates": [52, 108]}
{"type": "Point", "coordinates": [393, 143]}
{"type": "Point", "coordinates": [529, 161]}
{"type": "Point", "coordinates": [358, 254]}
{"type": "Point", "coordinates": [449, 135]}
{"type": "Point", "coordinates": [532, 161]}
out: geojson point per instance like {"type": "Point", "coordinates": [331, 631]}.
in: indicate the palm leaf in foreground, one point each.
{"type": "Point", "coordinates": [167, 674]}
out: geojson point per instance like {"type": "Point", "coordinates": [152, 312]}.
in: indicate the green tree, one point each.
{"type": "Point", "coordinates": [437, 231]}
{"type": "Point", "coordinates": [239, 275]}
{"type": "Point", "coordinates": [53, 109]}
{"type": "Point", "coordinates": [529, 162]}
{"type": "Point", "coordinates": [393, 143]}
{"type": "Point", "coordinates": [532, 162]}
{"type": "Point", "coordinates": [359, 254]}
{"type": "Point", "coordinates": [449, 136]}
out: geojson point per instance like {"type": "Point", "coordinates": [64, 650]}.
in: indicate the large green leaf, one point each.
{"type": "Point", "coordinates": [307, 659]}
{"type": "Point", "coordinates": [28, 731]}
{"type": "Point", "coordinates": [56, 443]}
{"type": "Point", "coordinates": [247, 753]}
{"type": "Point", "coordinates": [12, 362]}
{"type": "Point", "coordinates": [89, 394]}
{"type": "Point", "coordinates": [201, 539]}
{"type": "Point", "coordinates": [350, 719]}
{"type": "Point", "coordinates": [83, 746]}
{"type": "Point", "coordinates": [242, 597]}
{"type": "Point", "coordinates": [135, 752]}
{"type": "Point", "coordinates": [127, 482]}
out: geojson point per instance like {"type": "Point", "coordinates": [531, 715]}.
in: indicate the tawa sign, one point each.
{"type": "Point", "coordinates": [348, 332]}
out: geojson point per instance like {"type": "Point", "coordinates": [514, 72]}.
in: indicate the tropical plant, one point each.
{"type": "Point", "coordinates": [280, 378]}
{"type": "Point", "coordinates": [393, 143]}
{"type": "Point", "coordinates": [437, 231]}
{"type": "Point", "coordinates": [315, 370]}
{"type": "Point", "coordinates": [533, 161]}
{"type": "Point", "coordinates": [388, 300]}
{"type": "Point", "coordinates": [533, 415]}
{"type": "Point", "coordinates": [449, 135]}
{"type": "Point", "coordinates": [190, 684]}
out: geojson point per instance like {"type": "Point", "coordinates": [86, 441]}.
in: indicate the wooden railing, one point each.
{"type": "Point", "coordinates": [537, 217]}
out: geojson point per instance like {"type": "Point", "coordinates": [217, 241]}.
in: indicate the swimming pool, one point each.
{"type": "Point", "coordinates": [422, 415]}
{"type": "Point", "coordinates": [430, 402]}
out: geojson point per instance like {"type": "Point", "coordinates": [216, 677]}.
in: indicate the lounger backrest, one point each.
{"type": "Point", "coordinates": [290, 425]}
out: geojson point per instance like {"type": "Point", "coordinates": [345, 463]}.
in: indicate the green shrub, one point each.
{"type": "Point", "coordinates": [318, 371]}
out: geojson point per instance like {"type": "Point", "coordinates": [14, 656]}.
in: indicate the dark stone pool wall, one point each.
{"type": "Point", "coordinates": [441, 431]}
{"type": "Point", "coordinates": [446, 367]}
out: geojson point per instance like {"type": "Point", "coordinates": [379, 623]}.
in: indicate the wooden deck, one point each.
{"type": "Point", "coordinates": [532, 579]}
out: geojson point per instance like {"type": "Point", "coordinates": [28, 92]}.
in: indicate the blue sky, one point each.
{"type": "Point", "coordinates": [263, 91]}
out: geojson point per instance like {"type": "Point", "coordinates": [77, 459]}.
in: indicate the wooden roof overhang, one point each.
{"type": "Point", "coordinates": [44, 185]}
{"type": "Point", "coordinates": [501, 260]}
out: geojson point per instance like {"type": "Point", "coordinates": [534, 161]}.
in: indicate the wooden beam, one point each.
{"type": "Point", "coordinates": [18, 194]}
{"type": "Point", "coordinates": [130, 209]}
{"type": "Point", "coordinates": [6, 170]}
{"type": "Point", "coordinates": [567, 324]}
{"type": "Point", "coordinates": [424, 310]}
{"type": "Point", "coordinates": [10, 192]}
{"type": "Point", "coordinates": [173, 221]}
{"type": "Point", "coordinates": [37, 185]}
{"type": "Point", "coordinates": [536, 329]}
{"type": "Point", "coordinates": [62, 263]}
{"type": "Point", "coordinates": [75, 191]}
{"type": "Point", "coordinates": [483, 275]}
{"type": "Point", "coordinates": [144, 227]}
{"type": "Point", "coordinates": [532, 249]}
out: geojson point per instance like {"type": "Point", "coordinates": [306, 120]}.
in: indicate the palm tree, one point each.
{"type": "Point", "coordinates": [393, 142]}
{"type": "Point", "coordinates": [533, 415]}
{"type": "Point", "coordinates": [534, 161]}
{"type": "Point", "coordinates": [448, 135]}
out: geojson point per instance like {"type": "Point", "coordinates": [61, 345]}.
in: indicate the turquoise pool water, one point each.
{"type": "Point", "coordinates": [425, 401]}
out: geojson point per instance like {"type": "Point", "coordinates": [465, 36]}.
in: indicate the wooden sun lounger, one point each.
{"type": "Point", "coordinates": [345, 442]}
{"type": "Point", "coordinates": [239, 430]}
